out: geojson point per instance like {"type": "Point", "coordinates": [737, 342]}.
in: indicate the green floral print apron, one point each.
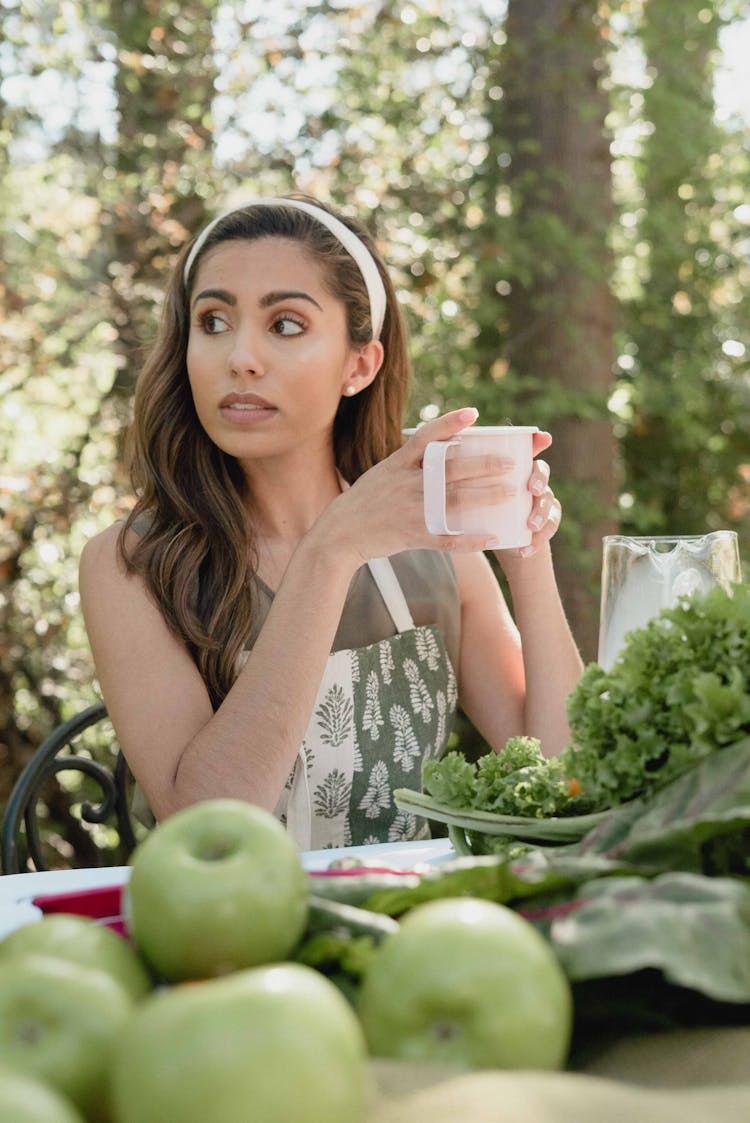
{"type": "Point", "coordinates": [381, 711]}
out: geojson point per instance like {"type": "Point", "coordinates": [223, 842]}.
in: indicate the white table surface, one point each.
{"type": "Point", "coordinates": [17, 890]}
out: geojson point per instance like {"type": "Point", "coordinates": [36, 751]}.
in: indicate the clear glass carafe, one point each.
{"type": "Point", "coordinates": [640, 576]}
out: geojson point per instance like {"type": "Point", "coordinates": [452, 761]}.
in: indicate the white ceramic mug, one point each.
{"type": "Point", "coordinates": [506, 520]}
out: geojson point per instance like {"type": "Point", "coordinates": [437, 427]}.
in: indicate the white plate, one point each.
{"type": "Point", "coordinates": [397, 855]}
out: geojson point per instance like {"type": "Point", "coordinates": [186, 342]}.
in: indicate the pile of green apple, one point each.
{"type": "Point", "coordinates": [201, 1017]}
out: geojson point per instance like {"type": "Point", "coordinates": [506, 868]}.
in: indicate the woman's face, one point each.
{"type": "Point", "coordinates": [268, 354]}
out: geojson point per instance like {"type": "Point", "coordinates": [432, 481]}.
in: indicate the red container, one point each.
{"type": "Point", "coordinates": [104, 905]}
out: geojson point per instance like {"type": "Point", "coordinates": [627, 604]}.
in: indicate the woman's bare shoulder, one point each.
{"type": "Point", "coordinates": [115, 599]}
{"type": "Point", "coordinates": [103, 553]}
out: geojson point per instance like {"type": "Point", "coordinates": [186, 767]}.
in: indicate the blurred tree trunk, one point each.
{"type": "Point", "coordinates": [550, 139]}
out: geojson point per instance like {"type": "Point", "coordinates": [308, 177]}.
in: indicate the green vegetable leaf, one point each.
{"type": "Point", "coordinates": [496, 879]}
{"type": "Point", "coordinates": [450, 780]}
{"type": "Point", "coordinates": [549, 829]}
{"type": "Point", "coordinates": [694, 929]}
{"type": "Point", "coordinates": [679, 690]}
{"type": "Point", "coordinates": [699, 822]}
{"type": "Point", "coordinates": [518, 781]}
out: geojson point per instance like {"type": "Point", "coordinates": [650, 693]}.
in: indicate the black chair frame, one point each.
{"type": "Point", "coordinates": [45, 763]}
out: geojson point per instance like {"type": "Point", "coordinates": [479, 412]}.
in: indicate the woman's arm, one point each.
{"type": "Point", "coordinates": [179, 750]}
{"type": "Point", "coordinates": [515, 677]}
{"type": "Point", "coordinates": [552, 662]}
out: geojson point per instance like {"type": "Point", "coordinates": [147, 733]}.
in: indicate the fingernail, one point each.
{"type": "Point", "coordinates": [526, 551]}
{"type": "Point", "coordinates": [535, 522]}
{"type": "Point", "coordinates": [493, 544]}
{"type": "Point", "coordinates": [537, 487]}
{"type": "Point", "coordinates": [468, 414]}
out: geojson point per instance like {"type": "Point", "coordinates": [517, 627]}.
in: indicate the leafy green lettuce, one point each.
{"type": "Point", "coordinates": [679, 690]}
{"type": "Point", "coordinates": [517, 781]}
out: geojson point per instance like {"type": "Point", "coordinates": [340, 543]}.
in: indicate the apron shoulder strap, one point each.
{"type": "Point", "coordinates": [387, 582]}
{"type": "Point", "coordinates": [385, 578]}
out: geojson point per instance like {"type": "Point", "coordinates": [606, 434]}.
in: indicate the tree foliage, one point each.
{"type": "Point", "coordinates": [684, 387]}
{"type": "Point", "coordinates": [551, 185]}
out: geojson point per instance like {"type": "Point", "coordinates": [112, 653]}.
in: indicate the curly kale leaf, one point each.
{"type": "Point", "coordinates": [679, 690]}
{"type": "Point", "coordinates": [519, 752]}
{"type": "Point", "coordinates": [530, 790]}
{"type": "Point", "coordinates": [450, 780]}
{"type": "Point", "coordinates": [493, 784]}
{"type": "Point", "coordinates": [516, 781]}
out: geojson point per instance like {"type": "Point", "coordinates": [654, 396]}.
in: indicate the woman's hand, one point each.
{"type": "Point", "coordinates": [383, 512]}
{"type": "Point", "coordinates": [546, 510]}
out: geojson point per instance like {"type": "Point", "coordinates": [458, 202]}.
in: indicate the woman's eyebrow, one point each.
{"type": "Point", "coordinates": [216, 294]}
{"type": "Point", "coordinates": [276, 297]}
{"type": "Point", "coordinates": [265, 301]}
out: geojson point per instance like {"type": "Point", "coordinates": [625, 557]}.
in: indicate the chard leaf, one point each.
{"type": "Point", "coordinates": [490, 878]}
{"type": "Point", "coordinates": [699, 822]}
{"type": "Point", "coordinates": [692, 928]}
{"type": "Point", "coordinates": [550, 829]}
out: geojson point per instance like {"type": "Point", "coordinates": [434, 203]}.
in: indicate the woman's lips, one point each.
{"type": "Point", "coordinates": [245, 409]}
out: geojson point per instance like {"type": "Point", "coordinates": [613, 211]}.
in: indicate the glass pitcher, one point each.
{"type": "Point", "coordinates": [640, 576]}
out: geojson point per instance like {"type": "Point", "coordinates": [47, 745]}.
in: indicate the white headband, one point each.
{"type": "Point", "coordinates": [349, 240]}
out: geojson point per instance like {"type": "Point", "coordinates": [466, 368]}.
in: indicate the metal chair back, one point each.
{"type": "Point", "coordinates": [21, 836]}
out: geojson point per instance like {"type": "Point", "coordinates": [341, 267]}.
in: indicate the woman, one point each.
{"type": "Point", "coordinates": [273, 621]}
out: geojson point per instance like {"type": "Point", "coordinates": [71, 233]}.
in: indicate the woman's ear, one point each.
{"type": "Point", "coordinates": [365, 364]}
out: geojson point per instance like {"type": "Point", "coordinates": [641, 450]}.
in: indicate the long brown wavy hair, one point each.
{"type": "Point", "coordinates": [194, 541]}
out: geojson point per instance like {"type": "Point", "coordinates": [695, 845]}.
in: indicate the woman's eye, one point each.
{"type": "Point", "coordinates": [213, 324]}
{"type": "Point", "coordinates": [285, 325]}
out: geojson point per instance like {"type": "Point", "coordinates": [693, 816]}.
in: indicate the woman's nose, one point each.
{"type": "Point", "coordinates": [245, 356]}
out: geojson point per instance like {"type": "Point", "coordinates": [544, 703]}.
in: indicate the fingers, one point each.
{"type": "Point", "coordinates": [544, 520]}
{"type": "Point", "coordinates": [467, 495]}
{"type": "Point", "coordinates": [540, 441]}
{"type": "Point", "coordinates": [478, 481]}
{"type": "Point", "coordinates": [539, 478]}
{"type": "Point", "coordinates": [441, 429]}
{"type": "Point", "coordinates": [546, 509]}
{"type": "Point", "coordinates": [477, 469]}
{"type": "Point", "coordinates": [450, 424]}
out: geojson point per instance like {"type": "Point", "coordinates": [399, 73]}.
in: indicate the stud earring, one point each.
{"type": "Point", "coordinates": [349, 390]}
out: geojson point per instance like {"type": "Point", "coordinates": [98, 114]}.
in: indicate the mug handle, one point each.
{"type": "Point", "coordinates": [433, 472]}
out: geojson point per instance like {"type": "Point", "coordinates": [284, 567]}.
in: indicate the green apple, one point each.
{"type": "Point", "coordinates": [59, 1023]}
{"type": "Point", "coordinates": [467, 982]}
{"type": "Point", "coordinates": [81, 940]}
{"type": "Point", "coordinates": [272, 1044]}
{"type": "Point", "coordinates": [216, 887]}
{"type": "Point", "coordinates": [23, 1100]}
